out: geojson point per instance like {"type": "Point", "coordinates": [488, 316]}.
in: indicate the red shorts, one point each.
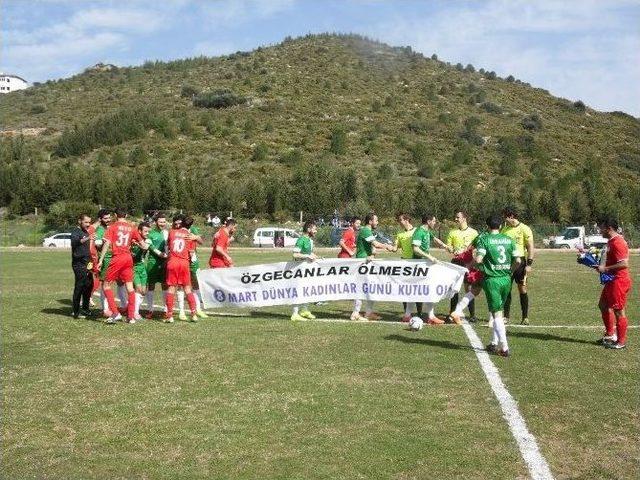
{"type": "Point", "coordinates": [120, 269]}
{"type": "Point", "coordinates": [178, 272]}
{"type": "Point", "coordinates": [614, 294]}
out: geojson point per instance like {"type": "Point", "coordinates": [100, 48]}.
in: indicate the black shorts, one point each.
{"type": "Point", "coordinates": [520, 274]}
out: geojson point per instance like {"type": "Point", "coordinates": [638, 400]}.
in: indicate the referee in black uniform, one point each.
{"type": "Point", "coordinates": [82, 267]}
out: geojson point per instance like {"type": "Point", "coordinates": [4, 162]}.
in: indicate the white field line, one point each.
{"type": "Point", "coordinates": [536, 463]}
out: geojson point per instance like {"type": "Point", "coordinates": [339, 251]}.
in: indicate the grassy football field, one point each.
{"type": "Point", "coordinates": [249, 394]}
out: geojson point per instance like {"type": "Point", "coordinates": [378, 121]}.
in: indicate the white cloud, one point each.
{"type": "Point", "coordinates": [240, 11]}
{"type": "Point", "coordinates": [574, 49]}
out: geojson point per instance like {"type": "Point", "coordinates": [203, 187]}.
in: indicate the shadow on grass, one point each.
{"type": "Point", "coordinates": [429, 342]}
{"type": "Point", "coordinates": [66, 313]}
{"type": "Point", "coordinates": [64, 301]}
{"type": "Point", "coordinates": [547, 337]}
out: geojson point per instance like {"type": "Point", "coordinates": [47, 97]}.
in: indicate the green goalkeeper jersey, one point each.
{"type": "Point", "coordinates": [497, 252]}
{"type": "Point", "coordinates": [158, 242]}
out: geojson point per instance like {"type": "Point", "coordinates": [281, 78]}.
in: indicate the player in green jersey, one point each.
{"type": "Point", "coordinates": [403, 243]}
{"type": "Point", "coordinates": [303, 251]}
{"type": "Point", "coordinates": [104, 219]}
{"type": "Point", "coordinates": [140, 267]}
{"type": "Point", "coordinates": [156, 262]}
{"type": "Point", "coordinates": [522, 236]}
{"type": "Point", "coordinates": [495, 258]}
{"type": "Point", "coordinates": [421, 242]}
{"type": "Point", "coordinates": [366, 244]}
{"type": "Point", "coordinates": [458, 240]}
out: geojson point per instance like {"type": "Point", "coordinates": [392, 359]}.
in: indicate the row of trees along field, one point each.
{"type": "Point", "coordinates": [315, 186]}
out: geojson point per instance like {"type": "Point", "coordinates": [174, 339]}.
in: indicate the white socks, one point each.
{"type": "Point", "coordinates": [123, 296]}
{"type": "Point", "coordinates": [463, 303]}
{"type": "Point", "coordinates": [429, 309]}
{"type": "Point", "coordinates": [149, 296]}
{"type": "Point", "coordinates": [357, 305]}
{"type": "Point", "coordinates": [500, 331]}
{"type": "Point", "coordinates": [198, 300]}
{"type": "Point", "coordinates": [180, 297]}
{"type": "Point", "coordinates": [138, 303]}
{"type": "Point", "coordinates": [296, 309]}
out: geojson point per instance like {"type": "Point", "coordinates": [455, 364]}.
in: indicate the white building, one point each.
{"type": "Point", "coordinates": [10, 83]}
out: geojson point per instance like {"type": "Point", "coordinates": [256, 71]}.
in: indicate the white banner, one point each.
{"type": "Point", "coordinates": [290, 283]}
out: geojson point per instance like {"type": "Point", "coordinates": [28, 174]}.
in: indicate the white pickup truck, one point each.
{"type": "Point", "coordinates": [576, 237]}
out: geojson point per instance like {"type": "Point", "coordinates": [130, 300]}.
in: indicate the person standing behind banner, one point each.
{"type": "Point", "coordinates": [365, 244]}
{"type": "Point", "coordinates": [421, 242]}
{"type": "Point", "coordinates": [220, 257]}
{"type": "Point", "coordinates": [348, 240]}
{"type": "Point", "coordinates": [303, 250]}
{"type": "Point", "coordinates": [403, 243]}
{"type": "Point", "coordinates": [82, 266]}
{"type": "Point", "coordinates": [613, 298]}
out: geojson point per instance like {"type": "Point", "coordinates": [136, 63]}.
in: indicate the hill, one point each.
{"type": "Point", "coordinates": [314, 124]}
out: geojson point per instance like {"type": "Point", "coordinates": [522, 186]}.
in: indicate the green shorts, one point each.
{"type": "Point", "coordinates": [140, 275]}
{"type": "Point", "coordinates": [105, 265]}
{"type": "Point", "coordinates": [497, 290]}
{"type": "Point", "coordinates": [155, 272]}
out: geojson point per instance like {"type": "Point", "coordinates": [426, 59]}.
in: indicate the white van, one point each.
{"type": "Point", "coordinates": [275, 237]}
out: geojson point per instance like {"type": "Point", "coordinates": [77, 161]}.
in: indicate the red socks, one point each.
{"type": "Point", "coordinates": [191, 299]}
{"type": "Point", "coordinates": [609, 320]}
{"type": "Point", "coordinates": [131, 305]}
{"type": "Point", "coordinates": [621, 328]}
{"type": "Point", "coordinates": [170, 300]}
{"type": "Point", "coordinates": [111, 301]}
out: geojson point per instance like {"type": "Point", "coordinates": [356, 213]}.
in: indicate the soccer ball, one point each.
{"type": "Point", "coordinates": [415, 324]}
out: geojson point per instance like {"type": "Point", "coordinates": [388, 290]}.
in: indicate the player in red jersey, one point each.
{"type": "Point", "coordinates": [220, 257]}
{"type": "Point", "coordinates": [348, 241]}
{"type": "Point", "coordinates": [119, 238]}
{"type": "Point", "coordinates": [613, 299]}
{"type": "Point", "coordinates": [180, 244]}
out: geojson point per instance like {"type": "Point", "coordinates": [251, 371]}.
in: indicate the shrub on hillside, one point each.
{"type": "Point", "coordinates": [532, 122]}
{"type": "Point", "coordinates": [111, 129]}
{"type": "Point", "coordinates": [189, 91]}
{"type": "Point", "coordinates": [579, 106]}
{"type": "Point", "coordinates": [218, 99]}
{"type": "Point", "coordinates": [38, 109]}
{"type": "Point", "coordinates": [491, 107]}
{"type": "Point", "coordinates": [338, 141]}
{"type": "Point", "coordinates": [260, 153]}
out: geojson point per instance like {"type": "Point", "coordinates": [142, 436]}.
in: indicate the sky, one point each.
{"type": "Point", "coordinates": [585, 50]}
